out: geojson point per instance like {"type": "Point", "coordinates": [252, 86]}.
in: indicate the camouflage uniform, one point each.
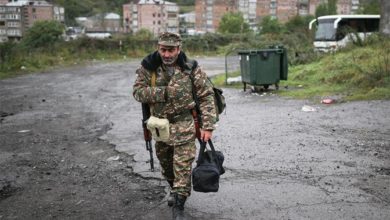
{"type": "Point", "coordinates": [171, 98]}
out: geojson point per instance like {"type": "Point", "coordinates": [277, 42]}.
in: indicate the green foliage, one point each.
{"type": "Point", "coordinates": [208, 43]}
{"type": "Point", "coordinates": [233, 23]}
{"type": "Point", "coordinates": [332, 7]}
{"type": "Point", "coordinates": [321, 10]}
{"type": "Point", "coordinates": [7, 51]}
{"type": "Point", "coordinates": [329, 8]}
{"type": "Point", "coordinates": [144, 34]}
{"type": "Point", "coordinates": [270, 25]}
{"type": "Point", "coordinates": [354, 73]}
{"type": "Point", "coordinates": [184, 2]}
{"type": "Point", "coordinates": [298, 23]}
{"type": "Point", "coordinates": [43, 34]}
{"type": "Point", "coordinates": [369, 7]}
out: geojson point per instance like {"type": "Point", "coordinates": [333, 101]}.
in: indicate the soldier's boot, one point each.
{"type": "Point", "coordinates": [171, 197]}
{"type": "Point", "coordinates": [178, 208]}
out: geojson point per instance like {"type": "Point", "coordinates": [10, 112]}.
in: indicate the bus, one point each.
{"type": "Point", "coordinates": [335, 31]}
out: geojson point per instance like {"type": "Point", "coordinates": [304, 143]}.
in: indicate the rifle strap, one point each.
{"type": "Point", "coordinates": [153, 81]}
{"type": "Point", "coordinates": [153, 84]}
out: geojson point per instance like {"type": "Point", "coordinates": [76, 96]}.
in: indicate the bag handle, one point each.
{"type": "Point", "coordinates": [203, 148]}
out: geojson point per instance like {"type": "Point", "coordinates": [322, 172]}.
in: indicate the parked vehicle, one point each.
{"type": "Point", "coordinates": [335, 31]}
{"type": "Point", "coordinates": [98, 35]}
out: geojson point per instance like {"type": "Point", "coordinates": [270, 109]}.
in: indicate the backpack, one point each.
{"type": "Point", "coordinates": [219, 99]}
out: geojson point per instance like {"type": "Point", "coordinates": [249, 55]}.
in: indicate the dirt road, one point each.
{"type": "Point", "coordinates": [71, 148]}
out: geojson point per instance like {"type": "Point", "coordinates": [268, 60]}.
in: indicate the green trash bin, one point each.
{"type": "Point", "coordinates": [283, 61]}
{"type": "Point", "coordinates": [263, 67]}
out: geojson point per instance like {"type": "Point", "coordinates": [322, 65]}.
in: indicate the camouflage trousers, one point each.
{"type": "Point", "coordinates": [176, 165]}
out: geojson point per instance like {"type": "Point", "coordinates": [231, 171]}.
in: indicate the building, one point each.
{"type": "Point", "coordinates": [155, 15]}
{"type": "Point", "coordinates": [248, 10]}
{"type": "Point", "coordinates": [107, 22]}
{"type": "Point", "coordinates": [209, 12]}
{"type": "Point", "coordinates": [187, 23]}
{"type": "Point", "coordinates": [17, 16]}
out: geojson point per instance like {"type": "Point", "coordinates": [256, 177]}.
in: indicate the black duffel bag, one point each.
{"type": "Point", "coordinates": [205, 176]}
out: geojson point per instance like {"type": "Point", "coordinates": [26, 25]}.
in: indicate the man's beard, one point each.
{"type": "Point", "coordinates": [170, 60]}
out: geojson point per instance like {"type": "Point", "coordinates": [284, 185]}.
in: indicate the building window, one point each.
{"type": "Point", "coordinates": [34, 10]}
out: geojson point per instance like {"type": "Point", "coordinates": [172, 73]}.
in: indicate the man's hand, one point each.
{"type": "Point", "coordinates": [205, 135]}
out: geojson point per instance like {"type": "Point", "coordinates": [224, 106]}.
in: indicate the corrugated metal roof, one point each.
{"type": "Point", "coordinates": [112, 16]}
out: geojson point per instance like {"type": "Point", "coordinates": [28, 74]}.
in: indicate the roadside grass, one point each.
{"type": "Point", "coordinates": [40, 61]}
{"type": "Point", "coordinates": [354, 73]}
{"type": "Point", "coordinates": [357, 73]}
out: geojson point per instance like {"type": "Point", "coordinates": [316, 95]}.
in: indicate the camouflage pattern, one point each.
{"type": "Point", "coordinates": [176, 162]}
{"type": "Point", "coordinates": [169, 39]}
{"type": "Point", "coordinates": [172, 99]}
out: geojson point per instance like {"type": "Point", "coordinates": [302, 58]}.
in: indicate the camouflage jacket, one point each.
{"type": "Point", "coordinates": [175, 104]}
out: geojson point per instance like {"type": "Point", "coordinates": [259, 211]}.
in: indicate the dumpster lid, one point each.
{"type": "Point", "coordinates": [259, 51]}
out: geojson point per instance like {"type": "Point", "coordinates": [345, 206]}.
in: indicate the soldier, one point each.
{"type": "Point", "coordinates": [164, 82]}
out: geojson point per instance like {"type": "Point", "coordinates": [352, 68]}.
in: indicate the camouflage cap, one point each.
{"type": "Point", "coordinates": [169, 39]}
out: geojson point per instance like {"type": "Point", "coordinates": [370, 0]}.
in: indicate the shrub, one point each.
{"type": "Point", "coordinates": [43, 34]}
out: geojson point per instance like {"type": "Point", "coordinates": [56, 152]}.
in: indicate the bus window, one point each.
{"type": "Point", "coordinates": [325, 30]}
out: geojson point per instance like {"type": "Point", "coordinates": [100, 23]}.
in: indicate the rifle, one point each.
{"type": "Point", "coordinates": [147, 135]}
{"type": "Point", "coordinates": [197, 120]}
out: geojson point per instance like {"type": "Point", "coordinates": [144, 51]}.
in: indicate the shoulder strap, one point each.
{"type": "Point", "coordinates": [153, 80]}
{"type": "Point", "coordinates": [153, 84]}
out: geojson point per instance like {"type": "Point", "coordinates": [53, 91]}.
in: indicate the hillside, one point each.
{"type": "Point", "coordinates": [354, 73]}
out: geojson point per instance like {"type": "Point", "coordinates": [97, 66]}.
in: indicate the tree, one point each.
{"type": "Point", "coordinates": [369, 7]}
{"type": "Point", "coordinates": [329, 8]}
{"type": "Point", "coordinates": [385, 18]}
{"type": "Point", "coordinates": [42, 34]}
{"type": "Point", "coordinates": [233, 23]}
{"type": "Point", "coordinates": [270, 25]}
{"type": "Point", "coordinates": [298, 23]}
{"type": "Point", "coordinates": [143, 34]}
{"type": "Point", "coordinates": [332, 7]}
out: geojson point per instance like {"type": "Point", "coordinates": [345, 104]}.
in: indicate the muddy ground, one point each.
{"type": "Point", "coordinates": [71, 148]}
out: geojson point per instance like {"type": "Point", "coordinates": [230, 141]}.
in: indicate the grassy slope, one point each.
{"type": "Point", "coordinates": [356, 73]}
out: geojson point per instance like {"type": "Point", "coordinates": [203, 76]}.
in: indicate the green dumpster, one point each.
{"type": "Point", "coordinates": [263, 67]}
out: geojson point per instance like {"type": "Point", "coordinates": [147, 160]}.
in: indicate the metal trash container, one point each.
{"type": "Point", "coordinates": [263, 67]}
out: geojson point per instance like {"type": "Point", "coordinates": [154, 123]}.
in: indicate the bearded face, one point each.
{"type": "Point", "coordinates": [169, 54]}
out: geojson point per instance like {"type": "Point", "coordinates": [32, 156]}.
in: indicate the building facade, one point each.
{"type": "Point", "coordinates": [155, 15]}
{"type": "Point", "coordinates": [105, 22]}
{"type": "Point", "coordinates": [209, 12]}
{"type": "Point", "coordinates": [17, 16]}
